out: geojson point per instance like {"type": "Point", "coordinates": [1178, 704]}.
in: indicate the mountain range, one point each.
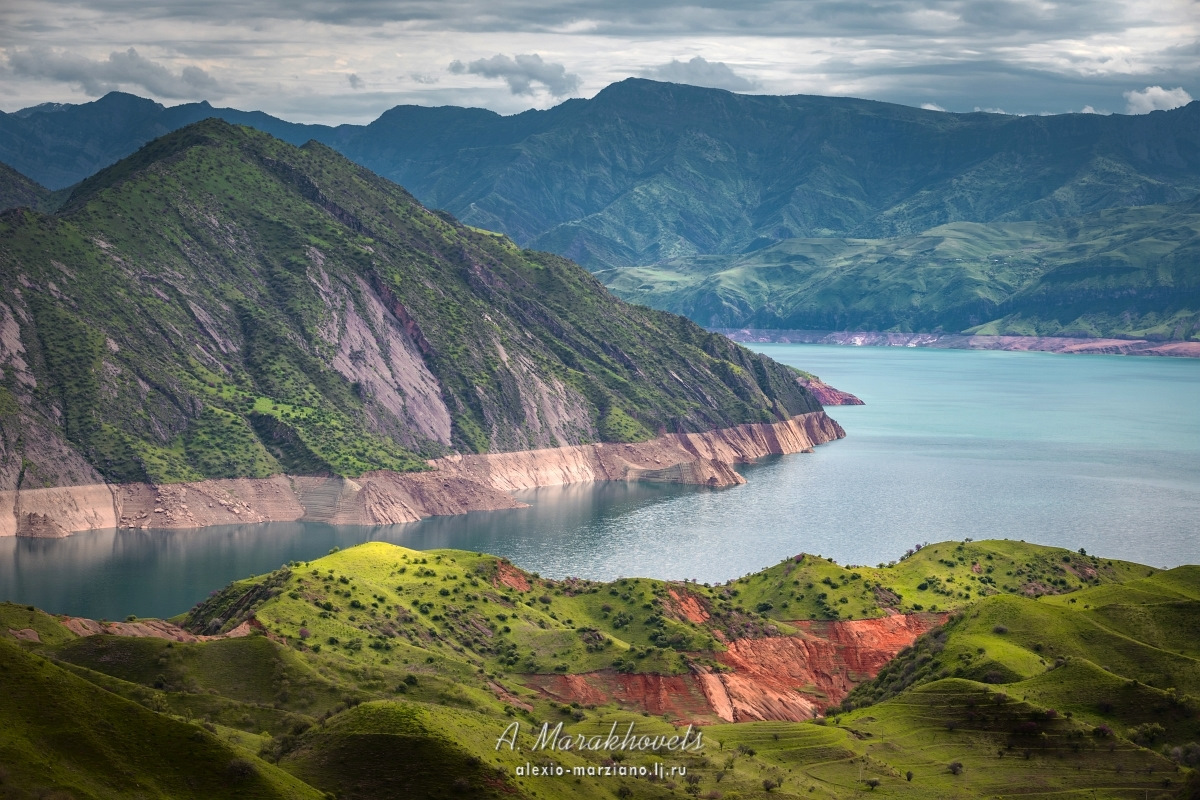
{"type": "Point", "coordinates": [649, 174]}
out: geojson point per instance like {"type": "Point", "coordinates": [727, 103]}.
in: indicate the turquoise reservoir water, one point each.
{"type": "Point", "coordinates": [1079, 451]}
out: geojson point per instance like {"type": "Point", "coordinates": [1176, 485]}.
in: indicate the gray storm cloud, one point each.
{"type": "Point", "coordinates": [120, 70]}
{"type": "Point", "coordinates": [701, 72]}
{"type": "Point", "coordinates": [521, 72]}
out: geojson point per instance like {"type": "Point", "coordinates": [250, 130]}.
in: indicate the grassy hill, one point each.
{"type": "Point", "coordinates": [223, 304]}
{"type": "Point", "coordinates": [384, 671]}
{"type": "Point", "coordinates": [1121, 272]}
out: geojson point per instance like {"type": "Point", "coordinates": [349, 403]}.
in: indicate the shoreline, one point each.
{"type": "Point", "coordinates": [456, 485]}
{"type": "Point", "coordinates": [964, 341]}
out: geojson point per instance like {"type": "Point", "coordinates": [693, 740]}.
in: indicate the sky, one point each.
{"type": "Point", "coordinates": [335, 61]}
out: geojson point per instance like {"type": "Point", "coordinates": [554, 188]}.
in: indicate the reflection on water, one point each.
{"type": "Point", "coordinates": [113, 573]}
{"type": "Point", "coordinates": [1097, 452]}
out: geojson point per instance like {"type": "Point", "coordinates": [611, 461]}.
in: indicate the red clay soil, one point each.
{"type": "Point", "coordinates": [681, 696]}
{"type": "Point", "coordinates": [510, 576]}
{"type": "Point", "coordinates": [686, 606]}
{"type": "Point", "coordinates": [775, 678]}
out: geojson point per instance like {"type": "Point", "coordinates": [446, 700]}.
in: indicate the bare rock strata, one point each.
{"type": "Point", "coordinates": [455, 485]}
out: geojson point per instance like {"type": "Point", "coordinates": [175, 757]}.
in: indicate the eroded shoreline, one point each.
{"type": "Point", "coordinates": [962, 341]}
{"type": "Point", "coordinates": [456, 485]}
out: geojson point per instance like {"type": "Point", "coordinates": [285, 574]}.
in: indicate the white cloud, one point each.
{"type": "Point", "coordinates": [1155, 98]}
{"type": "Point", "coordinates": [700, 72]}
{"type": "Point", "coordinates": [122, 69]}
{"type": "Point", "coordinates": [991, 110]}
{"type": "Point", "coordinates": [933, 107]}
{"type": "Point", "coordinates": [521, 72]}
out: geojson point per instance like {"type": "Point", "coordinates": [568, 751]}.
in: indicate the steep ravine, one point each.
{"type": "Point", "coordinates": [456, 485]}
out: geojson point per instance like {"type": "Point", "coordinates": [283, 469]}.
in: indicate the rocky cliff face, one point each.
{"type": "Point", "coordinates": [827, 395]}
{"type": "Point", "coordinates": [455, 485]}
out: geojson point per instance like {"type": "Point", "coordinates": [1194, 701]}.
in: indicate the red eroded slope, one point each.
{"type": "Point", "coordinates": [773, 678]}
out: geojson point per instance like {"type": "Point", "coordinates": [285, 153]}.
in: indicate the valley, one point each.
{"type": "Point", "coordinates": [226, 339]}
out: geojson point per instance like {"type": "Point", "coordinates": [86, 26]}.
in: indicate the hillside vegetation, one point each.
{"type": "Point", "coordinates": [794, 212]}
{"type": "Point", "coordinates": [382, 671]}
{"type": "Point", "coordinates": [18, 190]}
{"type": "Point", "coordinates": [223, 304]}
{"type": "Point", "coordinates": [646, 172]}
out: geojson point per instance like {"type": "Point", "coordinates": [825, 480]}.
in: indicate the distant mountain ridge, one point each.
{"type": "Point", "coordinates": [1123, 272]}
{"type": "Point", "coordinates": [645, 171]}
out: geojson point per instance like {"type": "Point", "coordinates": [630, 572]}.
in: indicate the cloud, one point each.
{"type": "Point", "coordinates": [1155, 98]}
{"type": "Point", "coordinates": [355, 81]}
{"type": "Point", "coordinates": [932, 107]}
{"type": "Point", "coordinates": [521, 72]}
{"type": "Point", "coordinates": [121, 69]}
{"type": "Point", "coordinates": [700, 72]}
{"type": "Point", "coordinates": [282, 55]}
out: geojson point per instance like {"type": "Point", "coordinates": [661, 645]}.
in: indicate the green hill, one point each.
{"type": "Point", "coordinates": [382, 671]}
{"type": "Point", "coordinates": [1120, 272]}
{"type": "Point", "coordinates": [63, 736]}
{"type": "Point", "coordinates": [223, 304]}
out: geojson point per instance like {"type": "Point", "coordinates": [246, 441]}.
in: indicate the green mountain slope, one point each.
{"type": "Point", "coordinates": [63, 736]}
{"type": "Point", "coordinates": [224, 304]}
{"type": "Point", "coordinates": [1120, 272]}
{"type": "Point", "coordinates": [382, 671]}
{"type": "Point", "coordinates": [17, 190]}
{"type": "Point", "coordinates": [645, 171]}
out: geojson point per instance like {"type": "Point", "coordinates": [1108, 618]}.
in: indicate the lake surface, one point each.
{"type": "Point", "coordinates": [1101, 452]}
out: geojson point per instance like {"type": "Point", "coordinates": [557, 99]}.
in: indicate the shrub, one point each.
{"type": "Point", "coordinates": [239, 769]}
{"type": "Point", "coordinates": [1188, 754]}
{"type": "Point", "coordinates": [955, 767]}
{"type": "Point", "coordinates": [1147, 733]}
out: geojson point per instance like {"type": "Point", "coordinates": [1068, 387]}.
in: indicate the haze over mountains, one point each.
{"type": "Point", "coordinates": [649, 173]}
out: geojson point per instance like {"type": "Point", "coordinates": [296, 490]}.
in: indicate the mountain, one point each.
{"type": "Point", "coordinates": [380, 671]}
{"type": "Point", "coordinates": [646, 172]}
{"type": "Point", "coordinates": [17, 190]}
{"type": "Point", "coordinates": [60, 144]}
{"type": "Point", "coordinates": [224, 304]}
{"type": "Point", "coordinates": [1125, 272]}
